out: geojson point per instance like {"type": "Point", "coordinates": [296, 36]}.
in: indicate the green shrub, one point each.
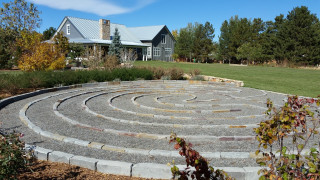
{"type": "Point", "coordinates": [13, 83]}
{"type": "Point", "coordinates": [13, 157]}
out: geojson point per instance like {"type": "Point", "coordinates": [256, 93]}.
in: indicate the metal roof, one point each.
{"type": "Point", "coordinates": [146, 32]}
{"type": "Point", "coordinates": [90, 29]}
{"type": "Point", "coordinates": [100, 41]}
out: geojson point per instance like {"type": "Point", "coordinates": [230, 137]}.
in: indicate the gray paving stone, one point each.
{"type": "Point", "coordinates": [235, 172]}
{"type": "Point", "coordinates": [42, 153]}
{"type": "Point", "coordinates": [252, 173]}
{"type": "Point", "coordinates": [149, 170]}
{"type": "Point", "coordinates": [85, 162]}
{"type": "Point", "coordinates": [57, 156]}
{"type": "Point", "coordinates": [114, 167]}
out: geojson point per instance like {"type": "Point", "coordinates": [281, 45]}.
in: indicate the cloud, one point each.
{"type": "Point", "coordinates": [99, 7]}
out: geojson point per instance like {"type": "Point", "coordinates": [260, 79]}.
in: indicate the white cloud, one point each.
{"type": "Point", "coordinates": [99, 7]}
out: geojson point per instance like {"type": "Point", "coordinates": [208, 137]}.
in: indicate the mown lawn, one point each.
{"type": "Point", "coordinates": [301, 82]}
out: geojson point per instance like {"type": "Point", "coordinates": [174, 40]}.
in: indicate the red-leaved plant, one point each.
{"type": "Point", "coordinates": [194, 159]}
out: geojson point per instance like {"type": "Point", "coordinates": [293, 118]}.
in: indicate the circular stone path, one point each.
{"type": "Point", "coordinates": [132, 121]}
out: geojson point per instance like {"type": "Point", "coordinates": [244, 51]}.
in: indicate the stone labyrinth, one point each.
{"type": "Point", "coordinates": [132, 121]}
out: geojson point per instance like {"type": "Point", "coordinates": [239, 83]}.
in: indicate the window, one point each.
{"type": "Point", "coordinates": [156, 51]}
{"type": "Point", "coordinates": [144, 51]}
{"type": "Point", "coordinates": [163, 38]}
{"type": "Point", "coordinates": [149, 51]}
{"type": "Point", "coordinates": [168, 52]}
{"type": "Point", "coordinates": [68, 29]}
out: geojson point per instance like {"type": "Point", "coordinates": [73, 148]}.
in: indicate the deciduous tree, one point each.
{"type": "Point", "coordinates": [19, 15]}
{"type": "Point", "coordinates": [38, 55]}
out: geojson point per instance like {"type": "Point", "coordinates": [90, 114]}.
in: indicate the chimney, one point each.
{"type": "Point", "coordinates": [104, 29]}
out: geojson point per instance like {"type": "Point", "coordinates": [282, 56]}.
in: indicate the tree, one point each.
{"type": "Point", "coordinates": [19, 15]}
{"type": "Point", "coordinates": [116, 46]}
{"type": "Point", "coordinates": [62, 43]}
{"type": "Point", "coordinates": [38, 55]}
{"type": "Point", "coordinates": [76, 51]}
{"type": "Point", "coordinates": [184, 42]}
{"type": "Point", "coordinates": [299, 36]}
{"type": "Point", "coordinates": [15, 17]}
{"type": "Point", "coordinates": [251, 52]}
{"type": "Point", "coordinates": [48, 33]}
{"type": "Point", "coordinates": [203, 44]}
{"type": "Point", "coordinates": [195, 40]}
{"type": "Point", "coordinates": [6, 45]}
{"type": "Point", "coordinates": [175, 34]}
{"type": "Point", "coordinates": [236, 32]}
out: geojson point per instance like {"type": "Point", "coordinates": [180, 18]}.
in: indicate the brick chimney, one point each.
{"type": "Point", "coordinates": [104, 29]}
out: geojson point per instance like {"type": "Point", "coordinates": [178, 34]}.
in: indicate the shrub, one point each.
{"type": "Point", "coordinates": [176, 73]}
{"type": "Point", "coordinates": [14, 83]}
{"type": "Point", "coordinates": [12, 155]}
{"type": "Point", "coordinates": [111, 62]}
{"type": "Point", "coordinates": [158, 72]}
{"type": "Point", "coordinates": [194, 159]}
{"type": "Point", "coordinates": [195, 72]}
{"type": "Point", "coordinates": [197, 78]}
{"type": "Point", "coordinates": [299, 121]}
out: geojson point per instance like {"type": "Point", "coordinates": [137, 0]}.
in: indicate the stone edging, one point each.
{"type": "Point", "coordinates": [216, 79]}
{"type": "Point", "coordinates": [144, 170]}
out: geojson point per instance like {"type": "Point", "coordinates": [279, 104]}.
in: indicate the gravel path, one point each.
{"type": "Point", "coordinates": [133, 122]}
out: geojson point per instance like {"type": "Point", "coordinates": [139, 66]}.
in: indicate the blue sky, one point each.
{"type": "Point", "coordinates": [173, 13]}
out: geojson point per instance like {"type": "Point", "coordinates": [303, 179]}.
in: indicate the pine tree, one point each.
{"type": "Point", "coordinates": [301, 36]}
{"type": "Point", "coordinates": [115, 47]}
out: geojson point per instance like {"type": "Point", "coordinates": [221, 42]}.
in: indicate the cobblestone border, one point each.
{"type": "Point", "coordinates": [144, 170]}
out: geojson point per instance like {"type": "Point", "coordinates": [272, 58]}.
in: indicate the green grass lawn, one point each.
{"type": "Point", "coordinates": [285, 80]}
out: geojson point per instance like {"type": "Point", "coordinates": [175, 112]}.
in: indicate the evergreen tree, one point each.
{"type": "Point", "coordinates": [48, 33]}
{"type": "Point", "coordinates": [203, 44]}
{"type": "Point", "coordinates": [6, 43]}
{"type": "Point", "coordinates": [116, 46]}
{"type": "Point", "coordinates": [300, 36]}
{"type": "Point", "coordinates": [184, 42]}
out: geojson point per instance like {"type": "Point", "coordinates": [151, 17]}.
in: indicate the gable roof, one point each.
{"type": "Point", "coordinates": [146, 33]}
{"type": "Point", "coordinates": [90, 29]}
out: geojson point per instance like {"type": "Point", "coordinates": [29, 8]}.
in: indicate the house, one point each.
{"type": "Point", "coordinates": [150, 42]}
{"type": "Point", "coordinates": [159, 39]}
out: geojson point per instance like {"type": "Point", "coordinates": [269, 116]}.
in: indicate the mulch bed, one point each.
{"type": "Point", "coordinates": [60, 171]}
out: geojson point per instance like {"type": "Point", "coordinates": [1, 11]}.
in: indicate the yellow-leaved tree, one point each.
{"type": "Point", "coordinates": [38, 55]}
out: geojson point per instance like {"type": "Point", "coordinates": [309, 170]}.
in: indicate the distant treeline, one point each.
{"type": "Point", "coordinates": [294, 38]}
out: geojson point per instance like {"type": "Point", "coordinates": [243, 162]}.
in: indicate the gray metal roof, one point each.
{"type": "Point", "coordinates": [100, 41]}
{"type": "Point", "coordinates": [90, 29]}
{"type": "Point", "coordinates": [146, 32]}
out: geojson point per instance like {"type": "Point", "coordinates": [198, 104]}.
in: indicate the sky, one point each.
{"type": "Point", "coordinates": [175, 14]}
